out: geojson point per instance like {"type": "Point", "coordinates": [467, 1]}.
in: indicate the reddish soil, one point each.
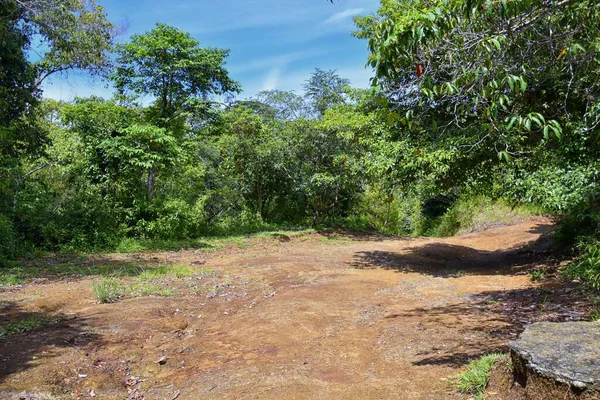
{"type": "Point", "coordinates": [332, 316]}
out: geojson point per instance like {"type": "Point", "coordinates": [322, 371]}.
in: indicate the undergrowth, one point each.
{"type": "Point", "coordinates": [586, 267]}
{"type": "Point", "coordinates": [475, 214]}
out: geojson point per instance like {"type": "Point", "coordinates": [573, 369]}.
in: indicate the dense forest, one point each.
{"type": "Point", "coordinates": [476, 106]}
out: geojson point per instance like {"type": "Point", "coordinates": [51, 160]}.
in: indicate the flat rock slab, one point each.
{"type": "Point", "coordinates": [566, 352]}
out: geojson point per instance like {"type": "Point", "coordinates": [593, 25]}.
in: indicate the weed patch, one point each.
{"type": "Point", "coordinates": [146, 289]}
{"type": "Point", "coordinates": [28, 324]}
{"type": "Point", "coordinates": [107, 290]}
{"type": "Point", "coordinates": [475, 378]}
{"type": "Point", "coordinates": [536, 275]}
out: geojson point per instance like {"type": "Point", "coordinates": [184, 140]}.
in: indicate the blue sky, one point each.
{"type": "Point", "coordinates": [275, 44]}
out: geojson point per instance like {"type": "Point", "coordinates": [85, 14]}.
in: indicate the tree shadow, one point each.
{"type": "Point", "coordinates": [357, 236]}
{"type": "Point", "coordinates": [494, 318]}
{"type": "Point", "coordinates": [76, 267]}
{"type": "Point", "coordinates": [450, 260]}
{"type": "Point", "coordinates": [27, 336]}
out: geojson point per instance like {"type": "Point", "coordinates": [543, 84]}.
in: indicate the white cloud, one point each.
{"type": "Point", "coordinates": [342, 15]}
{"type": "Point", "coordinates": [273, 78]}
{"type": "Point", "coordinates": [281, 60]}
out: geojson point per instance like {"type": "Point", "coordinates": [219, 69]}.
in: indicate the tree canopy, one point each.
{"type": "Point", "coordinates": [170, 66]}
{"type": "Point", "coordinates": [473, 104]}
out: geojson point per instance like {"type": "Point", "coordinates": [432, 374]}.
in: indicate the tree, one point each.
{"type": "Point", "coordinates": [73, 34]}
{"type": "Point", "coordinates": [283, 105]}
{"type": "Point", "coordinates": [325, 89]}
{"type": "Point", "coordinates": [488, 79]}
{"type": "Point", "coordinates": [170, 66]}
{"type": "Point", "coordinates": [76, 34]}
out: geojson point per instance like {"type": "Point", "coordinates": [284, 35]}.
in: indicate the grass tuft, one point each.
{"type": "Point", "coordinates": [107, 290]}
{"type": "Point", "coordinates": [145, 289]}
{"type": "Point", "coordinates": [176, 270]}
{"type": "Point", "coordinates": [537, 275]}
{"type": "Point", "coordinates": [475, 378]}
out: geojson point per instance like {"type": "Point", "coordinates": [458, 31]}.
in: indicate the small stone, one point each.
{"type": "Point", "coordinates": [162, 361]}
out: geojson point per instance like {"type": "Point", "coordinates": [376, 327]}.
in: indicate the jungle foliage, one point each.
{"type": "Point", "coordinates": [480, 111]}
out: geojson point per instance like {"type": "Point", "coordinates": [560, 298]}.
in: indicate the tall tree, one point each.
{"type": "Point", "coordinates": [76, 34]}
{"type": "Point", "coordinates": [325, 89]}
{"type": "Point", "coordinates": [283, 105]}
{"type": "Point", "coordinates": [171, 66]}
{"type": "Point", "coordinates": [73, 34]}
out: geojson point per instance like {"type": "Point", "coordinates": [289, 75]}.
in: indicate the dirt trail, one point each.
{"type": "Point", "coordinates": [309, 317]}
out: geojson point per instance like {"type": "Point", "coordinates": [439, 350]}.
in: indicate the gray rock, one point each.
{"type": "Point", "coordinates": [565, 352]}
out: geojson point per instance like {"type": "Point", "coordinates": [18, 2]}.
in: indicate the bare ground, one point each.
{"type": "Point", "coordinates": [332, 316]}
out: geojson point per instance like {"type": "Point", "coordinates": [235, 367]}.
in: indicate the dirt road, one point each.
{"type": "Point", "coordinates": [307, 317]}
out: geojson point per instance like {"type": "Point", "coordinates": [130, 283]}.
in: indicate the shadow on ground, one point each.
{"type": "Point", "coordinates": [450, 260]}
{"type": "Point", "coordinates": [492, 319]}
{"type": "Point", "coordinates": [46, 333]}
{"type": "Point", "coordinates": [357, 236]}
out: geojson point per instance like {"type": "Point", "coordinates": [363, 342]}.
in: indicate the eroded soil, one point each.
{"type": "Point", "coordinates": [310, 317]}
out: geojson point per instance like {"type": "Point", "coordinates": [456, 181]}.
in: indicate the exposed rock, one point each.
{"type": "Point", "coordinates": [559, 356]}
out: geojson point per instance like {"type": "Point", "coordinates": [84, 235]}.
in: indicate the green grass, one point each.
{"type": "Point", "coordinates": [476, 214]}
{"type": "Point", "coordinates": [474, 379]}
{"type": "Point", "coordinates": [10, 279]}
{"type": "Point", "coordinates": [175, 270]}
{"type": "Point", "coordinates": [28, 324]}
{"type": "Point", "coordinates": [595, 314]}
{"type": "Point", "coordinates": [209, 243]}
{"type": "Point", "coordinates": [41, 269]}
{"type": "Point", "coordinates": [130, 245]}
{"type": "Point", "coordinates": [146, 289]}
{"type": "Point", "coordinates": [108, 290]}
{"type": "Point", "coordinates": [24, 274]}
{"type": "Point", "coordinates": [536, 275]}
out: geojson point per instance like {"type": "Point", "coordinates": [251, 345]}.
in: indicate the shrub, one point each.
{"type": "Point", "coordinates": [7, 241]}
{"type": "Point", "coordinates": [587, 267]}
{"type": "Point", "coordinates": [474, 214]}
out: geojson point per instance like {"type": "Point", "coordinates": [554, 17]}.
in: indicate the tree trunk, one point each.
{"type": "Point", "coordinates": [150, 183]}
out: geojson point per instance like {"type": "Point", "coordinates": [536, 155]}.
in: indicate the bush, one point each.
{"type": "Point", "coordinates": [245, 222]}
{"type": "Point", "coordinates": [7, 241]}
{"type": "Point", "coordinates": [587, 267]}
{"type": "Point", "coordinates": [397, 214]}
{"type": "Point", "coordinates": [474, 214]}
